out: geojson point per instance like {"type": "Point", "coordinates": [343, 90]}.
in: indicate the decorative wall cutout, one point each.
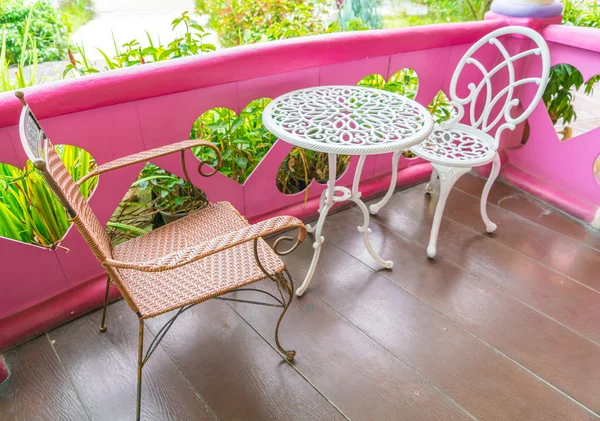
{"type": "Point", "coordinates": [573, 105]}
{"type": "Point", "coordinates": [157, 197]}
{"type": "Point", "coordinates": [29, 211]}
{"type": "Point", "coordinates": [243, 140]}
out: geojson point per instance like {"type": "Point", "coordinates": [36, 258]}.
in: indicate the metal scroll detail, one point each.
{"type": "Point", "coordinates": [488, 107]}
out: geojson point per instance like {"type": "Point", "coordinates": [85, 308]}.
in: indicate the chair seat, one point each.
{"type": "Point", "coordinates": [457, 145]}
{"type": "Point", "coordinates": [155, 293]}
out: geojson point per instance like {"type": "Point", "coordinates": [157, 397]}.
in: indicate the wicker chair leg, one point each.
{"type": "Point", "coordinates": [103, 322]}
{"type": "Point", "coordinates": [286, 282]}
{"type": "Point", "coordinates": [139, 370]}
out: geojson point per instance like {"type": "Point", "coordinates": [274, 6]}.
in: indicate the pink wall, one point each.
{"type": "Point", "coordinates": [565, 167]}
{"type": "Point", "coordinates": [117, 113]}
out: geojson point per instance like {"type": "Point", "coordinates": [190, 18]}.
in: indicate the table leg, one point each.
{"type": "Point", "coordinates": [355, 197]}
{"type": "Point", "coordinates": [309, 227]}
{"type": "Point", "coordinates": [374, 208]}
{"type": "Point", "coordinates": [325, 204]}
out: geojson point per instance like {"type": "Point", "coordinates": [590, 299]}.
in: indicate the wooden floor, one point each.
{"type": "Point", "coordinates": [500, 327]}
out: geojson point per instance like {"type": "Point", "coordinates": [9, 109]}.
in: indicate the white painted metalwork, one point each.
{"type": "Point", "coordinates": [347, 120]}
{"type": "Point", "coordinates": [454, 148]}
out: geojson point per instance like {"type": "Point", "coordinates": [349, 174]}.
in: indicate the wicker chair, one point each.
{"type": "Point", "coordinates": [209, 253]}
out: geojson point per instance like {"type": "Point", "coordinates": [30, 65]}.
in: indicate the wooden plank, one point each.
{"type": "Point", "coordinates": [103, 368]}
{"type": "Point", "coordinates": [38, 387]}
{"type": "Point", "coordinates": [550, 350]}
{"type": "Point", "coordinates": [238, 374]}
{"type": "Point", "coordinates": [551, 293]}
{"type": "Point", "coordinates": [560, 253]}
{"type": "Point", "coordinates": [360, 377]}
{"type": "Point", "coordinates": [525, 205]}
{"type": "Point", "coordinates": [484, 382]}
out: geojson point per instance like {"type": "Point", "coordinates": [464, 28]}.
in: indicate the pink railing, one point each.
{"type": "Point", "coordinates": [562, 172]}
{"type": "Point", "coordinates": [117, 113]}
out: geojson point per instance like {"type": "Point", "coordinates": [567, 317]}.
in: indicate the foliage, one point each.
{"type": "Point", "coordinates": [581, 13]}
{"type": "Point", "coordinates": [240, 22]}
{"type": "Point", "coordinates": [243, 141]}
{"type": "Point", "coordinates": [46, 26]}
{"type": "Point", "coordinates": [564, 81]}
{"type": "Point", "coordinates": [29, 211]}
{"type": "Point", "coordinates": [29, 58]}
{"type": "Point", "coordinates": [170, 193]}
{"type": "Point", "coordinates": [133, 53]}
{"type": "Point", "coordinates": [75, 12]}
{"type": "Point", "coordinates": [364, 11]}
{"type": "Point", "coordinates": [441, 11]}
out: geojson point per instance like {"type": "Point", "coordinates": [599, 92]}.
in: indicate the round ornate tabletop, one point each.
{"type": "Point", "coordinates": [348, 120]}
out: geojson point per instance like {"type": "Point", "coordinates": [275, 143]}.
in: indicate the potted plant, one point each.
{"type": "Point", "coordinates": [171, 196]}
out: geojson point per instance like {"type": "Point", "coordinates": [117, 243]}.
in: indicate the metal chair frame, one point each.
{"type": "Point", "coordinates": [38, 149]}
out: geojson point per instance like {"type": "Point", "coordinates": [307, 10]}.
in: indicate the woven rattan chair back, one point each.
{"type": "Point", "coordinates": [67, 191]}
{"type": "Point", "coordinates": [43, 155]}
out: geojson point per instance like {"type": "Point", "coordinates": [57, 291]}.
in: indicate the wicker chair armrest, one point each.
{"type": "Point", "coordinates": [193, 253]}
{"type": "Point", "coordinates": [145, 156]}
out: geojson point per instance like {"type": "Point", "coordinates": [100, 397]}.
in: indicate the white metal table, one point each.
{"type": "Point", "coordinates": [348, 120]}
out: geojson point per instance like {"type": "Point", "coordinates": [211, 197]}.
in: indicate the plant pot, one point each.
{"type": "Point", "coordinates": [170, 217]}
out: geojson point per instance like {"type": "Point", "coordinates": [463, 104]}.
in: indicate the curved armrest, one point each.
{"type": "Point", "coordinates": [144, 156]}
{"type": "Point", "coordinates": [216, 245]}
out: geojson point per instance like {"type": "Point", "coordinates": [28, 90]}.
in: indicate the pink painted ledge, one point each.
{"type": "Point", "coordinates": [51, 313]}
{"type": "Point", "coordinates": [562, 200]}
{"type": "Point", "coordinates": [574, 36]}
{"type": "Point", "coordinates": [233, 65]}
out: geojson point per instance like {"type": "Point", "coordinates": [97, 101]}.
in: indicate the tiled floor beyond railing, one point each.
{"type": "Point", "coordinates": [501, 327]}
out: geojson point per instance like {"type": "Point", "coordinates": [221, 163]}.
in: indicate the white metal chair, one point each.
{"type": "Point", "coordinates": [454, 148]}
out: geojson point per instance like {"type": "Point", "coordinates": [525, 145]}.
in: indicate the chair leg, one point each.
{"type": "Point", "coordinates": [103, 321]}
{"type": "Point", "coordinates": [285, 281]}
{"type": "Point", "coordinates": [448, 177]}
{"type": "Point", "coordinates": [430, 187]}
{"type": "Point", "coordinates": [489, 225]}
{"type": "Point", "coordinates": [139, 370]}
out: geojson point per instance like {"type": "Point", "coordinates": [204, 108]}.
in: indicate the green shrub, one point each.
{"type": "Point", "coordinates": [76, 12]}
{"type": "Point", "coordinates": [47, 28]}
{"type": "Point", "coordinates": [240, 22]}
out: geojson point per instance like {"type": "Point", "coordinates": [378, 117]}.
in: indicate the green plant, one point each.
{"type": "Point", "coordinates": [29, 211]}
{"type": "Point", "coordinates": [581, 13]}
{"type": "Point", "coordinates": [564, 81]}
{"type": "Point", "coordinates": [75, 13]}
{"type": "Point", "coordinates": [168, 192]}
{"type": "Point", "coordinates": [133, 53]}
{"type": "Point", "coordinates": [28, 58]}
{"type": "Point", "coordinates": [242, 140]}
{"type": "Point", "coordinates": [364, 11]}
{"type": "Point", "coordinates": [240, 22]}
{"type": "Point", "coordinates": [45, 26]}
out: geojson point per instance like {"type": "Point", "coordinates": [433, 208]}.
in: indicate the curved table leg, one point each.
{"type": "Point", "coordinates": [366, 231]}
{"type": "Point", "coordinates": [374, 208]}
{"type": "Point", "coordinates": [322, 199]}
{"type": "Point", "coordinates": [355, 197]}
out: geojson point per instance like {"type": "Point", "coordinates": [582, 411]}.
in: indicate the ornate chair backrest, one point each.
{"type": "Point", "coordinates": [45, 158]}
{"type": "Point", "coordinates": [490, 104]}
